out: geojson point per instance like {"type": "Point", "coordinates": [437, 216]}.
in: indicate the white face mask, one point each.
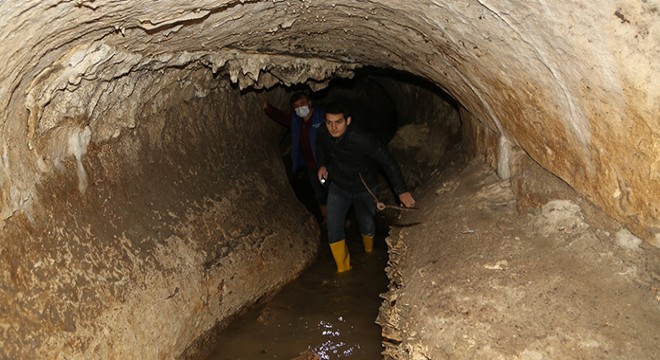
{"type": "Point", "coordinates": [302, 111]}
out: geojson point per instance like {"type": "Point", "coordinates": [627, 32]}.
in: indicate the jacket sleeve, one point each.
{"type": "Point", "coordinates": [379, 153]}
{"type": "Point", "coordinates": [277, 115]}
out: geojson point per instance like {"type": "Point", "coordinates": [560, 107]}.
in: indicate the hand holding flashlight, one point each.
{"type": "Point", "coordinates": [323, 175]}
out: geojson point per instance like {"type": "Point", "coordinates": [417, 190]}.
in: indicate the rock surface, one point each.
{"type": "Point", "coordinates": [119, 108]}
{"type": "Point", "coordinates": [571, 83]}
{"type": "Point", "coordinates": [473, 278]}
{"type": "Point", "coordinates": [172, 234]}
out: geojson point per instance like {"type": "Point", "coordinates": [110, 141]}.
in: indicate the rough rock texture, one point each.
{"type": "Point", "coordinates": [92, 94]}
{"type": "Point", "coordinates": [474, 279]}
{"type": "Point", "coordinates": [155, 235]}
{"type": "Point", "coordinates": [571, 83]}
{"type": "Point", "coordinates": [428, 124]}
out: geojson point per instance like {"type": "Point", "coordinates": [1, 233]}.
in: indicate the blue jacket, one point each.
{"type": "Point", "coordinates": [318, 118]}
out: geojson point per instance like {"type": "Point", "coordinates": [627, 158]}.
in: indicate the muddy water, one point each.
{"type": "Point", "coordinates": [329, 314]}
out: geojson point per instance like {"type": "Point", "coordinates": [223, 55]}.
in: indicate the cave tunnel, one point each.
{"type": "Point", "coordinates": [134, 215]}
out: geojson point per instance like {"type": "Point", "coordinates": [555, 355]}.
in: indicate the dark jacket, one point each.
{"type": "Point", "coordinates": [318, 119]}
{"type": "Point", "coordinates": [294, 122]}
{"type": "Point", "coordinates": [354, 153]}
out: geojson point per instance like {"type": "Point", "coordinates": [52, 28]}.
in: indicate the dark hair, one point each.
{"type": "Point", "coordinates": [297, 96]}
{"type": "Point", "coordinates": [336, 107]}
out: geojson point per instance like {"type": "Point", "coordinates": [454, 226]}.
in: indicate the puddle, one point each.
{"type": "Point", "coordinates": [329, 314]}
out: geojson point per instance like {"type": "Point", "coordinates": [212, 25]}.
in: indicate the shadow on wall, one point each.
{"type": "Point", "coordinates": [382, 100]}
{"type": "Point", "coordinates": [369, 103]}
{"type": "Point", "coordinates": [416, 118]}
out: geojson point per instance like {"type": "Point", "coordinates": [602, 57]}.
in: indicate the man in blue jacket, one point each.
{"type": "Point", "coordinates": [304, 121]}
{"type": "Point", "coordinates": [345, 156]}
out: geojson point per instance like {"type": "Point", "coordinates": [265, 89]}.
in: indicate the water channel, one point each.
{"type": "Point", "coordinates": [324, 313]}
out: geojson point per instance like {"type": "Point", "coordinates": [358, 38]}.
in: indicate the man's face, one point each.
{"type": "Point", "coordinates": [336, 124]}
{"type": "Point", "coordinates": [303, 108]}
{"type": "Point", "coordinates": [303, 101]}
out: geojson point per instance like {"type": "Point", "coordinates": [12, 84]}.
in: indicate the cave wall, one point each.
{"type": "Point", "coordinates": [90, 88]}
{"type": "Point", "coordinates": [429, 123]}
{"type": "Point", "coordinates": [571, 84]}
{"type": "Point", "coordinates": [154, 235]}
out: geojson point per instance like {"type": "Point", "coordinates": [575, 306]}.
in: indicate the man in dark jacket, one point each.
{"type": "Point", "coordinates": [304, 122]}
{"type": "Point", "coordinates": [343, 155]}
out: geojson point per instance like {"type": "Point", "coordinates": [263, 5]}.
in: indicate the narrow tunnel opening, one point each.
{"type": "Point", "coordinates": [322, 313]}
{"type": "Point", "coordinates": [380, 101]}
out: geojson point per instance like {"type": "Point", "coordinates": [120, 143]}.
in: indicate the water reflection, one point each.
{"type": "Point", "coordinates": [324, 313]}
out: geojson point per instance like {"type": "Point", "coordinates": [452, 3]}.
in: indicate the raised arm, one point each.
{"type": "Point", "coordinates": [275, 114]}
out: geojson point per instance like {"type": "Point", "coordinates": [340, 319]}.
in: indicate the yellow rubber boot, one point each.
{"type": "Point", "coordinates": [368, 243]}
{"type": "Point", "coordinates": [341, 255]}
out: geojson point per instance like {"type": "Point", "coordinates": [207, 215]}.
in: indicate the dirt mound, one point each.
{"type": "Point", "coordinates": [473, 278]}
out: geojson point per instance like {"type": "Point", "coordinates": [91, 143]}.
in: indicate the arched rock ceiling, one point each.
{"type": "Point", "coordinates": [573, 83]}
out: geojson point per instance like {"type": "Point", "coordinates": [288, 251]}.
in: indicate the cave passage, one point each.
{"type": "Point", "coordinates": [323, 313]}
{"type": "Point", "coordinates": [418, 121]}
{"type": "Point", "coordinates": [379, 101]}
{"type": "Point", "coordinates": [144, 200]}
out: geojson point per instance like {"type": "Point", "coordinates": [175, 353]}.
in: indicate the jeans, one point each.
{"type": "Point", "coordinates": [339, 201]}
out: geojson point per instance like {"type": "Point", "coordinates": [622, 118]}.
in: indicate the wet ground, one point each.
{"type": "Point", "coordinates": [322, 312]}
